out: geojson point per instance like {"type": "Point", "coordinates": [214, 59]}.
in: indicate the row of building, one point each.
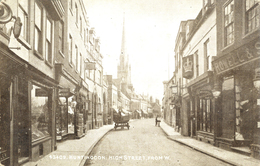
{"type": "Point", "coordinates": [213, 95]}
{"type": "Point", "coordinates": [52, 85]}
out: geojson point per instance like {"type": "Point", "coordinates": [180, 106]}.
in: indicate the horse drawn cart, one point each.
{"type": "Point", "coordinates": [121, 119]}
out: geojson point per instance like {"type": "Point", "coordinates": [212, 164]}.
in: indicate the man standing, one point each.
{"type": "Point", "coordinates": [156, 120]}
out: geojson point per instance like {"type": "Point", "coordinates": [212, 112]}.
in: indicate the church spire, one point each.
{"type": "Point", "coordinates": [123, 44]}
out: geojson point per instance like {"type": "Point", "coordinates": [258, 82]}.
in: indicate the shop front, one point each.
{"type": "Point", "coordinates": [27, 124]}
{"type": "Point", "coordinates": [67, 105]}
{"type": "Point", "coordinates": [239, 112]}
{"type": "Point", "coordinates": [201, 112]}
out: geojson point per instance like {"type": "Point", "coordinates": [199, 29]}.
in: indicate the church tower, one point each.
{"type": "Point", "coordinates": [124, 68]}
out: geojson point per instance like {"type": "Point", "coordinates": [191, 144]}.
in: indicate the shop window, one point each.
{"type": "Point", "coordinates": [229, 24]}
{"type": "Point", "coordinates": [23, 14]}
{"type": "Point", "coordinates": [244, 106]}
{"type": "Point", "coordinates": [205, 115]}
{"type": "Point", "coordinates": [252, 15]}
{"type": "Point", "coordinates": [40, 113]}
{"type": "Point", "coordinates": [71, 114]}
{"type": "Point", "coordinates": [228, 107]}
{"type": "Point", "coordinates": [62, 117]}
{"type": "Point", "coordinates": [38, 29]}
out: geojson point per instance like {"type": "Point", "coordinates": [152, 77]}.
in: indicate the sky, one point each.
{"type": "Point", "coordinates": [151, 27]}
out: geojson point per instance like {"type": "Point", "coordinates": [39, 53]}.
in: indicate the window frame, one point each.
{"type": "Point", "coordinates": [70, 49]}
{"type": "Point", "coordinates": [49, 52]}
{"type": "Point", "coordinates": [229, 24]}
{"type": "Point", "coordinates": [206, 55]}
{"type": "Point", "coordinates": [75, 58]}
{"type": "Point", "coordinates": [39, 50]}
{"type": "Point", "coordinates": [253, 8]}
{"type": "Point", "coordinates": [61, 36]}
{"type": "Point", "coordinates": [25, 27]}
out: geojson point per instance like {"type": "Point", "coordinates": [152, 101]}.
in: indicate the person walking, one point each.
{"type": "Point", "coordinates": [156, 120]}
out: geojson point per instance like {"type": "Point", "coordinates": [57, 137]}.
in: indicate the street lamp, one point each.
{"type": "Point", "coordinates": [216, 91]}
{"type": "Point", "coordinates": [174, 89]}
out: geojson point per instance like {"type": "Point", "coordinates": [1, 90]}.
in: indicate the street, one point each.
{"type": "Point", "coordinates": [145, 144]}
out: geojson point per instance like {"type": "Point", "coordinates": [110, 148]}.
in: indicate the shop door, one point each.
{"type": "Point", "coordinates": [5, 121]}
{"type": "Point", "coordinates": [22, 121]}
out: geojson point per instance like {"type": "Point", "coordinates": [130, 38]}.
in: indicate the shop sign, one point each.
{"type": "Point", "coordinates": [238, 57]}
{"type": "Point", "coordinates": [207, 94]}
{"type": "Point", "coordinates": [65, 92]}
{"type": "Point", "coordinates": [90, 66]}
{"type": "Point", "coordinates": [41, 93]}
{"type": "Point", "coordinates": [187, 66]}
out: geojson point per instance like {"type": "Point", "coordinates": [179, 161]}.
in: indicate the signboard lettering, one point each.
{"type": "Point", "coordinates": [235, 58]}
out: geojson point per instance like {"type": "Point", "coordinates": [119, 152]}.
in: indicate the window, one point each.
{"type": "Point", "coordinates": [229, 24]}
{"type": "Point", "coordinates": [98, 77]}
{"type": "Point", "coordinates": [197, 63]}
{"type": "Point", "coordinates": [252, 15]}
{"type": "Point", "coordinates": [179, 61]}
{"type": "Point", "coordinates": [206, 120]}
{"type": "Point", "coordinates": [77, 13]}
{"type": "Point", "coordinates": [23, 14]}
{"type": "Point", "coordinates": [61, 38]}
{"type": "Point", "coordinates": [75, 58]}
{"type": "Point", "coordinates": [86, 37]}
{"type": "Point", "coordinates": [70, 4]}
{"type": "Point", "coordinates": [38, 29]}
{"type": "Point", "coordinates": [70, 49]}
{"type": "Point", "coordinates": [80, 25]}
{"type": "Point", "coordinates": [48, 46]}
{"type": "Point", "coordinates": [80, 63]}
{"type": "Point", "coordinates": [40, 113]}
{"type": "Point", "coordinates": [207, 56]}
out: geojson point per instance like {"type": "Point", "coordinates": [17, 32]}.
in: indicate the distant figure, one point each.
{"type": "Point", "coordinates": [156, 120]}
{"type": "Point", "coordinates": [120, 115]}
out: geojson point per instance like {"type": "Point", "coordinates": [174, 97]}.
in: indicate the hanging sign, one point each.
{"type": "Point", "coordinates": [187, 66]}
{"type": "Point", "coordinates": [90, 66]}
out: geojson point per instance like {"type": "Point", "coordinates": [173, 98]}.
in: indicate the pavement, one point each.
{"type": "Point", "coordinates": [229, 157]}
{"type": "Point", "coordinates": [73, 152]}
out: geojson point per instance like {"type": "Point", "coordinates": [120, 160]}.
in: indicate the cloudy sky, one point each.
{"type": "Point", "coordinates": [151, 27]}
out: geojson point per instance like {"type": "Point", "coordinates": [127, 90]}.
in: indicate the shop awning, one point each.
{"type": "Point", "coordinates": [70, 111]}
{"type": "Point", "coordinates": [145, 112]}
{"type": "Point", "coordinates": [125, 111]}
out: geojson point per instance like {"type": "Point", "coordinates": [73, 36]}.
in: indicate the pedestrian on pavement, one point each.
{"type": "Point", "coordinates": [156, 120]}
